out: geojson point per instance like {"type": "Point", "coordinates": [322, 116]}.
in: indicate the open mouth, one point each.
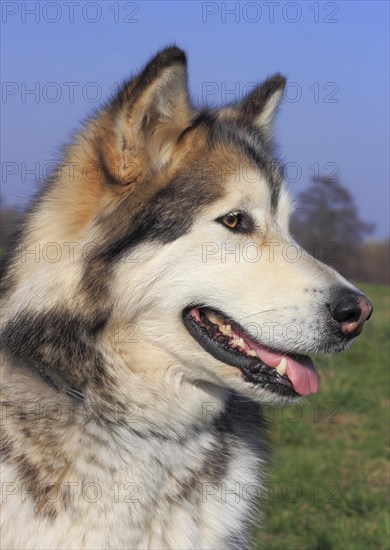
{"type": "Point", "coordinates": [227, 341]}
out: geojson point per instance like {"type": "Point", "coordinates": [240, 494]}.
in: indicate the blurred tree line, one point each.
{"type": "Point", "coordinates": [326, 222]}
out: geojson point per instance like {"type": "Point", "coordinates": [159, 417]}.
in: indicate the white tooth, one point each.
{"type": "Point", "coordinates": [228, 329]}
{"type": "Point", "coordinates": [241, 343]}
{"type": "Point", "coordinates": [223, 329]}
{"type": "Point", "coordinates": [282, 367]}
{"type": "Point", "coordinates": [252, 353]}
{"type": "Point", "coordinates": [214, 318]}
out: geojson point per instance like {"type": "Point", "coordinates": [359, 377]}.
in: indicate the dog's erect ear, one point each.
{"type": "Point", "coordinates": [259, 107]}
{"type": "Point", "coordinates": [139, 128]}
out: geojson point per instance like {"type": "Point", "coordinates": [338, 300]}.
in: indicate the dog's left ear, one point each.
{"type": "Point", "coordinates": [260, 106]}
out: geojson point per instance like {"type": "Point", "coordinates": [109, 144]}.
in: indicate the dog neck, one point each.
{"type": "Point", "coordinates": [158, 394]}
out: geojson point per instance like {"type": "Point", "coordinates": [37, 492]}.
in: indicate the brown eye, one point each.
{"type": "Point", "coordinates": [239, 222]}
{"type": "Point", "coordinates": [231, 220]}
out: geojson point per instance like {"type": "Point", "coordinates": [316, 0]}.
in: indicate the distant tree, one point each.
{"type": "Point", "coordinates": [327, 224]}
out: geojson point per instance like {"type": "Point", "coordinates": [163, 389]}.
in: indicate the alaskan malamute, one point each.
{"type": "Point", "coordinates": [153, 301]}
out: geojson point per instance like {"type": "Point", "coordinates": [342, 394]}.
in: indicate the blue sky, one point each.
{"type": "Point", "coordinates": [335, 55]}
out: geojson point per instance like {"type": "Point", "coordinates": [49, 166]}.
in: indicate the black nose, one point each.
{"type": "Point", "coordinates": [351, 310]}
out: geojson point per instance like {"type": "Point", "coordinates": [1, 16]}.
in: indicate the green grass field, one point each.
{"type": "Point", "coordinates": [329, 481]}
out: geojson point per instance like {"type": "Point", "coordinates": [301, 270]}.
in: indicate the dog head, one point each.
{"type": "Point", "coordinates": [184, 215]}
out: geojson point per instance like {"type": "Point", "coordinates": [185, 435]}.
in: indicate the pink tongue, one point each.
{"type": "Point", "coordinates": [301, 374]}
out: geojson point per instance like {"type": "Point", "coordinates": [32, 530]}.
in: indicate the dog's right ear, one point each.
{"type": "Point", "coordinates": [260, 106]}
{"type": "Point", "coordinates": [137, 131]}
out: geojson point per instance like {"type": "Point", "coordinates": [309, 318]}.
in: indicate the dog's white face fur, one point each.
{"type": "Point", "coordinates": [265, 281]}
